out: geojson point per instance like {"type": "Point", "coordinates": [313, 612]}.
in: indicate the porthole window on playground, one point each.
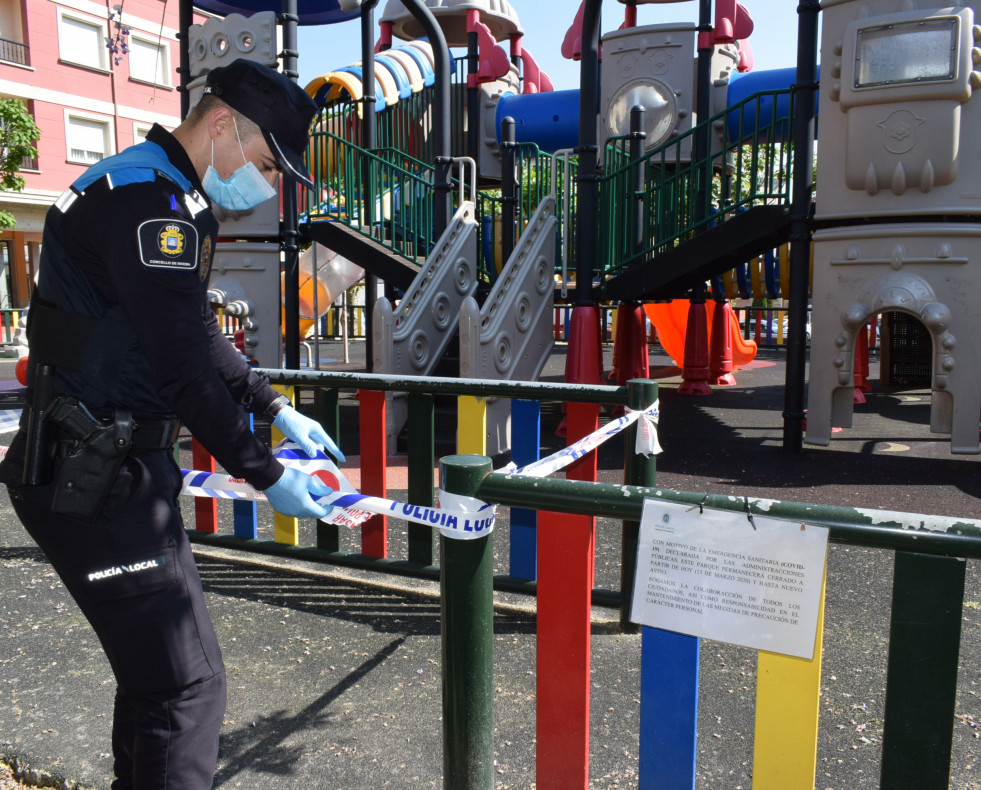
{"type": "Point", "coordinates": [921, 51]}
{"type": "Point", "coordinates": [659, 103]}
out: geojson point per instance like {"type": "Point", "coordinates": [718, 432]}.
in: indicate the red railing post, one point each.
{"type": "Point", "coordinates": [374, 471]}
{"type": "Point", "coordinates": [565, 583]}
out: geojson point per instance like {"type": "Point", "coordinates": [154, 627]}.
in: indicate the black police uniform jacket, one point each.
{"type": "Point", "coordinates": [135, 257]}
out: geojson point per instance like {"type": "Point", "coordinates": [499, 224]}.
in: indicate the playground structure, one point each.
{"type": "Point", "coordinates": [898, 103]}
{"type": "Point", "coordinates": [521, 135]}
{"type": "Point", "coordinates": [693, 175]}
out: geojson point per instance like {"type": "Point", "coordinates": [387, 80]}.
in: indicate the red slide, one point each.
{"type": "Point", "coordinates": [670, 319]}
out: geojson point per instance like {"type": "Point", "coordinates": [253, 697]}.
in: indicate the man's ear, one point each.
{"type": "Point", "coordinates": [219, 121]}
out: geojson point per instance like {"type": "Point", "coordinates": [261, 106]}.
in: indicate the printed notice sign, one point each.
{"type": "Point", "coordinates": [715, 574]}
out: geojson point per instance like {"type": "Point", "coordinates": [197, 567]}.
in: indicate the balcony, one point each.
{"type": "Point", "coordinates": [14, 52]}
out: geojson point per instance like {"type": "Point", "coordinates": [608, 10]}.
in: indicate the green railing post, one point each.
{"type": "Point", "coordinates": [326, 411]}
{"type": "Point", "coordinates": [467, 594]}
{"type": "Point", "coordinates": [921, 681]}
{"type": "Point", "coordinates": [422, 455]}
{"type": "Point", "coordinates": [638, 470]}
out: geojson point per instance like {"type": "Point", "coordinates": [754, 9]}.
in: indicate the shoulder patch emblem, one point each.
{"type": "Point", "coordinates": [168, 244]}
{"type": "Point", "coordinates": [204, 266]}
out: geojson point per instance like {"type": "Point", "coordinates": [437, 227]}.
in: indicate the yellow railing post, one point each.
{"type": "Point", "coordinates": [471, 430]}
{"type": "Point", "coordinates": [286, 529]}
{"type": "Point", "coordinates": [788, 691]}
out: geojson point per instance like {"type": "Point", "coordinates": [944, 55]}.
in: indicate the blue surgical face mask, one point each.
{"type": "Point", "coordinates": [245, 189]}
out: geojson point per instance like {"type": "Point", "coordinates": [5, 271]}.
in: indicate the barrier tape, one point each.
{"type": "Point", "coordinates": [9, 420]}
{"type": "Point", "coordinates": [646, 443]}
{"type": "Point", "coordinates": [458, 517]}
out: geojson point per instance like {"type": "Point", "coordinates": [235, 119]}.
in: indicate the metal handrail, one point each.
{"type": "Point", "coordinates": [671, 172]}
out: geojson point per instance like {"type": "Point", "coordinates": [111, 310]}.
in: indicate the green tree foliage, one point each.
{"type": "Point", "coordinates": [18, 142]}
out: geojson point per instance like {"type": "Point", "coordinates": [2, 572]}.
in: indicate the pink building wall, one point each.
{"type": "Point", "coordinates": [51, 85]}
{"type": "Point", "coordinates": [53, 88]}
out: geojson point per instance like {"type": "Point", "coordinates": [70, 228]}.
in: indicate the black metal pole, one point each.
{"type": "Point", "coordinates": [589, 91]}
{"type": "Point", "coordinates": [290, 233]}
{"type": "Point", "coordinates": [442, 202]}
{"type": "Point", "coordinates": [509, 189]}
{"type": "Point", "coordinates": [805, 101]}
{"type": "Point", "coordinates": [473, 97]}
{"type": "Point", "coordinates": [369, 142]}
{"type": "Point", "coordinates": [638, 182]}
{"type": "Point", "coordinates": [703, 81]}
{"type": "Point", "coordinates": [185, 17]}
{"type": "Point", "coordinates": [703, 105]}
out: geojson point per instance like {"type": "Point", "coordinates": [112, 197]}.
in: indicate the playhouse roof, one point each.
{"type": "Point", "coordinates": [451, 15]}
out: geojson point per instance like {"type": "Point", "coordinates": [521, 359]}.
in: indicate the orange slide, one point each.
{"type": "Point", "coordinates": [670, 319]}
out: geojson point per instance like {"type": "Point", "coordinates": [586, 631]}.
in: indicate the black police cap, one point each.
{"type": "Point", "coordinates": [271, 100]}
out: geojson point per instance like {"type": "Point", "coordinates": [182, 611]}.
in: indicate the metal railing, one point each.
{"type": "Point", "coordinates": [15, 52]}
{"type": "Point", "coordinates": [10, 321]}
{"type": "Point", "coordinates": [929, 584]}
{"type": "Point", "coordinates": [748, 165]}
{"type": "Point", "coordinates": [400, 214]}
{"type": "Point", "coordinates": [373, 194]}
{"type": "Point", "coordinates": [403, 126]}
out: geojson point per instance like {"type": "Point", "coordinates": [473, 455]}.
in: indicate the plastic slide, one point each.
{"type": "Point", "coordinates": [670, 319]}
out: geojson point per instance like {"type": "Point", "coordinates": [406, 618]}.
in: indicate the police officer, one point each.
{"type": "Point", "coordinates": [124, 348]}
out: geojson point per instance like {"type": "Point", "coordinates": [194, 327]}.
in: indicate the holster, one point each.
{"type": "Point", "coordinates": [96, 452]}
{"type": "Point", "coordinates": [39, 454]}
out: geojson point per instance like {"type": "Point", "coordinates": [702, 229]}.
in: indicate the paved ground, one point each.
{"type": "Point", "coordinates": [334, 677]}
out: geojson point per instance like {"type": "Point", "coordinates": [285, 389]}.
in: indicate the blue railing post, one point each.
{"type": "Point", "coordinates": [526, 430]}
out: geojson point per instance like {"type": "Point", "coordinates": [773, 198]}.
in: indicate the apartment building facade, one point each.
{"type": "Point", "coordinates": [90, 99]}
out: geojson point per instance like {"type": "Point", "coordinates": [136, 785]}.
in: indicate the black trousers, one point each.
{"type": "Point", "coordinates": [133, 575]}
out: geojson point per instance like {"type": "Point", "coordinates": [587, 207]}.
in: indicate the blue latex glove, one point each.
{"type": "Point", "coordinates": [293, 493]}
{"type": "Point", "coordinates": [307, 433]}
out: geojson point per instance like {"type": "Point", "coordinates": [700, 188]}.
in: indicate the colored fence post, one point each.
{"type": "Point", "coordinates": [638, 470]}
{"type": "Point", "coordinates": [565, 576]}
{"type": "Point", "coordinates": [374, 469]}
{"type": "Point", "coordinates": [326, 410]}
{"type": "Point", "coordinates": [205, 508]}
{"type": "Point", "coordinates": [471, 430]}
{"type": "Point", "coordinates": [921, 682]}
{"type": "Point", "coordinates": [788, 691]}
{"type": "Point", "coordinates": [668, 710]}
{"type": "Point", "coordinates": [526, 431]}
{"type": "Point", "coordinates": [467, 606]}
{"type": "Point", "coordinates": [422, 458]}
{"type": "Point", "coordinates": [565, 583]}
{"type": "Point", "coordinates": [286, 529]}
{"type": "Point", "coordinates": [669, 661]}
{"type": "Point", "coordinates": [245, 519]}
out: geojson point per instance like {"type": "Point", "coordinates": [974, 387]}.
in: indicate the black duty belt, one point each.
{"type": "Point", "coordinates": [148, 434]}
{"type": "Point", "coordinates": [155, 434]}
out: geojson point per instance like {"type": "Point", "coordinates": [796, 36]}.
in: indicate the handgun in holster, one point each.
{"type": "Point", "coordinates": [96, 452]}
